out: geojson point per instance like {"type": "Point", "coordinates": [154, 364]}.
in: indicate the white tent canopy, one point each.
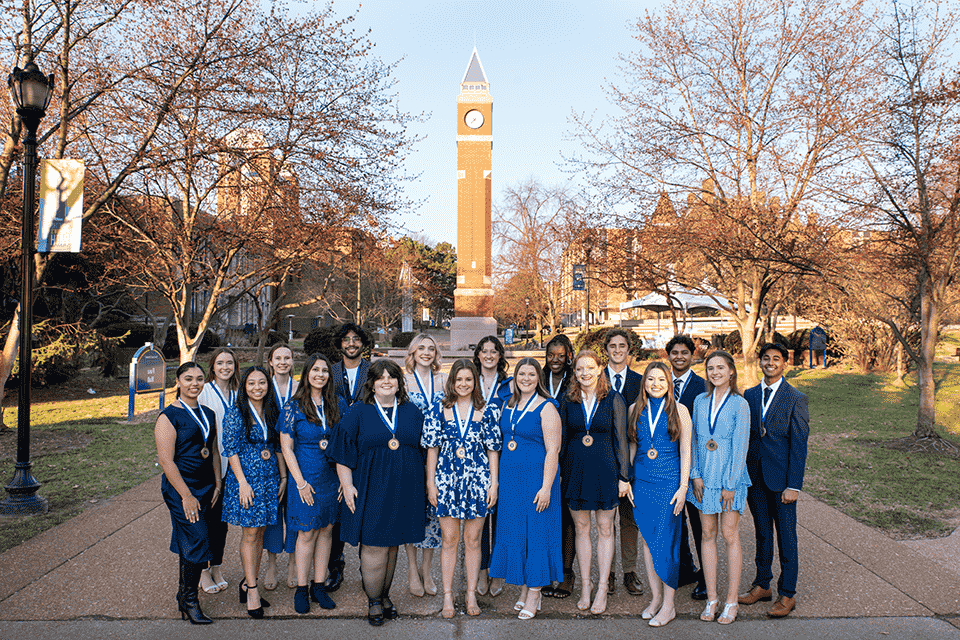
{"type": "Point", "coordinates": [682, 301]}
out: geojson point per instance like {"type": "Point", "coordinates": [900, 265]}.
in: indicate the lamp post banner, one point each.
{"type": "Point", "coordinates": [61, 206]}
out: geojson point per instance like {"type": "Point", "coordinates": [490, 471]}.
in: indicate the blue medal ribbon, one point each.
{"type": "Point", "coordinates": [201, 421]}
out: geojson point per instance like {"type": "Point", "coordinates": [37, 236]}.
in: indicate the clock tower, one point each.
{"type": "Point", "coordinates": [473, 298]}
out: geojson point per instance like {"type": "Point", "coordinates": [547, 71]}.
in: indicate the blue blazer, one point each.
{"type": "Point", "coordinates": [631, 386]}
{"type": "Point", "coordinates": [777, 456]}
{"type": "Point", "coordinates": [340, 381]}
{"type": "Point", "coordinates": [694, 387]}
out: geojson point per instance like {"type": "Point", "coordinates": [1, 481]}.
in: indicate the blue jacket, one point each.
{"type": "Point", "coordinates": [777, 456]}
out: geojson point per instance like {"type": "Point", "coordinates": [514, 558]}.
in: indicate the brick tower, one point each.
{"type": "Point", "coordinates": [473, 298]}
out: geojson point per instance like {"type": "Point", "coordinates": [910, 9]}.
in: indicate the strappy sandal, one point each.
{"type": "Point", "coordinates": [726, 617]}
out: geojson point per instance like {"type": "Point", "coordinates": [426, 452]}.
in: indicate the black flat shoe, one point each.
{"type": "Point", "coordinates": [335, 576]}
{"type": "Point", "coordinates": [375, 613]}
{"type": "Point", "coordinates": [389, 610]}
{"type": "Point", "coordinates": [699, 592]}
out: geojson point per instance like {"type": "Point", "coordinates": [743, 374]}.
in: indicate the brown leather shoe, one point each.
{"type": "Point", "coordinates": [782, 607]}
{"type": "Point", "coordinates": [756, 594]}
{"type": "Point", "coordinates": [633, 585]}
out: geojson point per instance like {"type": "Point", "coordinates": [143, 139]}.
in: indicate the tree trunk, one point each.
{"type": "Point", "coordinates": [900, 368]}
{"type": "Point", "coordinates": [929, 330]}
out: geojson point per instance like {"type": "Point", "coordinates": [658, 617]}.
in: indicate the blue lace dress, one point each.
{"type": "Point", "coordinates": [263, 476]}
{"type": "Point", "coordinates": [432, 537]}
{"type": "Point", "coordinates": [462, 483]}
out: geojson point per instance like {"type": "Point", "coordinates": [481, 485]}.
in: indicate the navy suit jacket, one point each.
{"type": "Point", "coordinates": [341, 384]}
{"type": "Point", "coordinates": [777, 456]}
{"type": "Point", "coordinates": [694, 387]}
{"type": "Point", "coordinates": [631, 386]}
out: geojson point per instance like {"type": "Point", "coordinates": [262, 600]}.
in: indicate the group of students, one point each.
{"type": "Point", "coordinates": [383, 456]}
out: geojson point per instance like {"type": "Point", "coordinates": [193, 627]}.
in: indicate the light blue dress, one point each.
{"type": "Point", "coordinates": [462, 483]}
{"type": "Point", "coordinates": [726, 466]}
{"type": "Point", "coordinates": [432, 537]}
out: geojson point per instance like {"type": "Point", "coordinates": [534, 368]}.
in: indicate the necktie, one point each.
{"type": "Point", "coordinates": [677, 389]}
{"type": "Point", "coordinates": [766, 398]}
{"type": "Point", "coordinates": [766, 394]}
{"type": "Point", "coordinates": [618, 382]}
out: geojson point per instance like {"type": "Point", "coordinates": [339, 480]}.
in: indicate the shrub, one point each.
{"type": "Point", "coordinates": [403, 339]}
{"type": "Point", "coordinates": [594, 340]}
{"type": "Point", "coordinates": [322, 340]}
{"type": "Point", "coordinates": [59, 351]}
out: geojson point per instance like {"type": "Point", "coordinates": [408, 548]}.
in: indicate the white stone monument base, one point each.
{"type": "Point", "coordinates": [469, 331]}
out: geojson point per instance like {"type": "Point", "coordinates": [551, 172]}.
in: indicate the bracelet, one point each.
{"type": "Point", "coordinates": [301, 488]}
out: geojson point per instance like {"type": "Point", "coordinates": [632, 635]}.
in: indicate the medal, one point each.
{"type": "Point", "coordinates": [461, 453]}
{"type": "Point", "coordinates": [514, 420]}
{"type": "Point", "coordinates": [512, 445]}
{"type": "Point", "coordinates": [711, 443]}
{"type": "Point", "coordinates": [652, 454]}
{"type": "Point", "coordinates": [589, 410]}
{"type": "Point", "coordinates": [265, 454]}
{"type": "Point", "coordinates": [324, 444]}
{"type": "Point", "coordinates": [205, 453]}
{"type": "Point", "coordinates": [391, 423]}
{"type": "Point", "coordinates": [462, 425]}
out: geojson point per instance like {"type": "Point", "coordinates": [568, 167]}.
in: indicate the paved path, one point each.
{"type": "Point", "coordinates": [108, 573]}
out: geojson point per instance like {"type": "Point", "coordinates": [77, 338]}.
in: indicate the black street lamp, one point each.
{"type": "Point", "coordinates": [31, 91]}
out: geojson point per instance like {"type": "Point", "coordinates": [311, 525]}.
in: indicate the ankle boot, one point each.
{"type": "Point", "coordinates": [319, 594]}
{"type": "Point", "coordinates": [189, 599]}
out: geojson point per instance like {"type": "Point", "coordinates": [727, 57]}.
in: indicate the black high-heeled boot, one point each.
{"type": "Point", "coordinates": [189, 598]}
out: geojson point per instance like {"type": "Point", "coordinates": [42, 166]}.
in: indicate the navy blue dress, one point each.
{"type": "Point", "coordinates": [317, 468]}
{"type": "Point", "coordinates": [191, 540]}
{"type": "Point", "coordinates": [262, 475]}
{"type": "Point", "coordinates": [655, 482]}
{"type": "Point", "coordinates": [591, 474]}
{"type": "Point", "coordinates": [391, 486]}
{"type": "Point", "coordinates": [527, 549]}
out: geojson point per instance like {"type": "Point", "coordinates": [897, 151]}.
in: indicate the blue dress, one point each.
{"type": "Point", "coordinates": [527, 549]}
{"type": "Point", "coordinates": [432, 536]}
{"type": "Point", "coordinates": [317, 468]}
{"type": "Point", "coordinates": [191, 539]}
{"type": "Point", "coordinates": [501, 394]}
{"type": "Point", "coordinates": [655, 482]}
{"type": "Point", "coordinates": [391, 487]}
{"type": "Point", "coordinates": [462, 483]}
{"type": "Point", "coordinates": [725, 467]}
{"type": "Point", "coordinates": [262, 475]}
{"type": "Point", "coordinates": [591, 474]}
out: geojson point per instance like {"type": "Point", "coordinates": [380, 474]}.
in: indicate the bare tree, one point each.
{"type": "Point", "coordinates": [912, 161]}
{"type": "Point", "coordinates": [742, 97]}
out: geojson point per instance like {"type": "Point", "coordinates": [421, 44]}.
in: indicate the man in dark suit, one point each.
{"type": "Point", "coordinates": [776, 459]}
{"type": "Point", "coordinates": [349, 376]}
{"type": "Point", "coordinates": [687, 385]}
{"type": "Point", "coordinates": [627, 383]}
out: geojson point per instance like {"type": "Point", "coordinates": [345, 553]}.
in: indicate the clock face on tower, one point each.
{"type": "Point", "coordinates": [473, 119]}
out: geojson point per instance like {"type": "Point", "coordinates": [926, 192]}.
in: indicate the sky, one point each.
{"type": "Point", "coordinates": [543, 58]}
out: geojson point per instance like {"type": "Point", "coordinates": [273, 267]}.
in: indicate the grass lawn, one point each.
{"type": "Point", "coordinates": [83, 451]}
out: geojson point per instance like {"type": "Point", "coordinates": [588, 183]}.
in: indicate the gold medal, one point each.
{"type": "Point", "coordinates": [461, 453]}
{"type": "Point", "coordinates": [711, 445]}
{"type": "Point", "coordinates": [265, 454]}
{"type": "Point", "coordinates": [323, 444]}
{"type": "Point", "coordinates": [394, 444]}
{"type": "Point", "coordinates": [652, 454]}
{"type": "Point", "coordinates": [205, 453]}
{"type": "Point", "coordinates": [587, 440]}
{"type": "Point", "coordinates": [512, 445]}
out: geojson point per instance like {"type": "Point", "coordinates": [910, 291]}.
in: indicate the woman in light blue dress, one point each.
{"type": "Point", "coordinates": [462, 437]}
{"type": "Point", "coordinates": [721, 435]}
{"type": "Point", "coordinates": [527, 551]}
{"type": "Point", "coordinates": [660, 439]}
{"type": "Point", "coordinates": [424, 384]}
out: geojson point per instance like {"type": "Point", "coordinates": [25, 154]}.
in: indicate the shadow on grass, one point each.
{"type": "Point", "coordinates": [902, 494]}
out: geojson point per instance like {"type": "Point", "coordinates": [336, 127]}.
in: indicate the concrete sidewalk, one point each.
{"type": "Point", "coordinates": [109, 572]}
